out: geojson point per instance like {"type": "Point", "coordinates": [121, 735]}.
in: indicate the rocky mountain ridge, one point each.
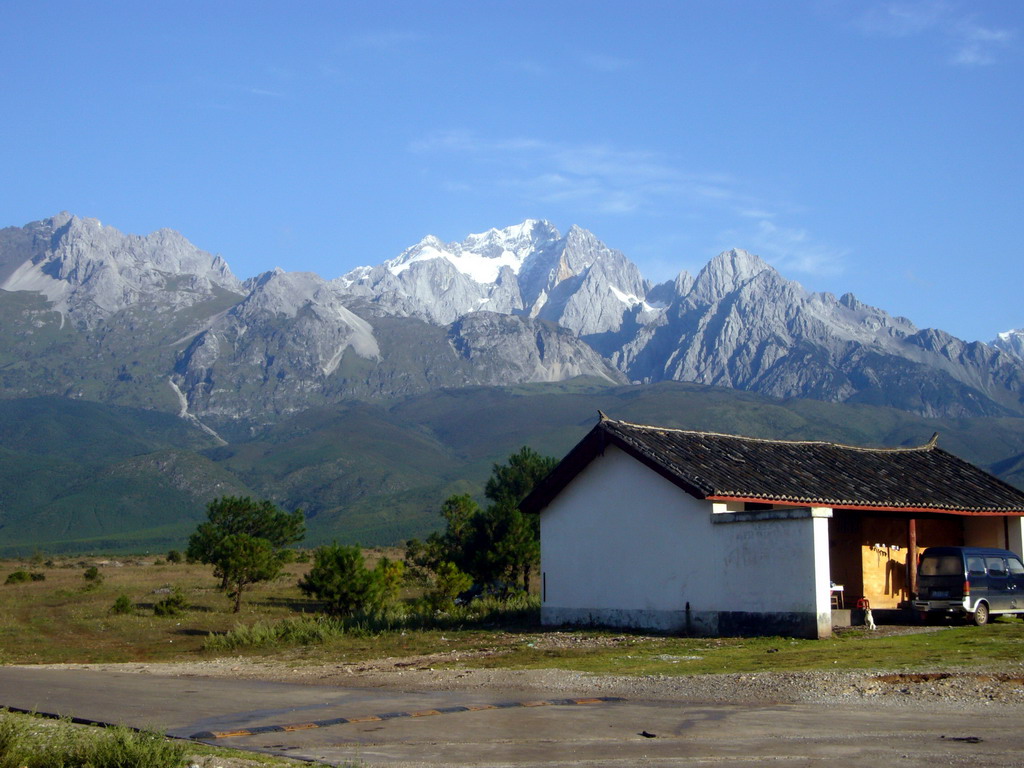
{"type": "Point", "coordinates": [155, 322]}
{"type": "Point", "coordinates": [89, 272]}
{"type": "Point", "coordinates": [738, 323]}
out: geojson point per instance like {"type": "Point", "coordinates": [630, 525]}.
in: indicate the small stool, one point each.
{"type": "Point", "coordinates": [836, 593]}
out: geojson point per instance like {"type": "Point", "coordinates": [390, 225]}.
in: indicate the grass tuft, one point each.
{"type": "Point", "coordinates": [63, 746]}
{"type": "Point", "coordinates": [518, 610]}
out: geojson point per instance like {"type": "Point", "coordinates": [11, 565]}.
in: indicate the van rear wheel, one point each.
{"type": "Point", "coordinates": [981, 614]}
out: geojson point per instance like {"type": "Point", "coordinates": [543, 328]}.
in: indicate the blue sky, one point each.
{"type": "Point", "coordinates": [871, 147]}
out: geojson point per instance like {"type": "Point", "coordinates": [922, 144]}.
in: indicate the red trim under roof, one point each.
{"type": "Point", "coordinates": [865, 507]}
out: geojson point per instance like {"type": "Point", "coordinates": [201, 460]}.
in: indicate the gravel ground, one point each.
{"type": "Point", "coordinates": [967, 688]}
{"type": "Point", "coordinates": [947, 689]}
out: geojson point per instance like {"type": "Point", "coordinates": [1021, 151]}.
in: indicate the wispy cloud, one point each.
{"type": "Point", "coordinates": [604, 178]}
{"type": "Point", "coordinates": [795, 249]}
{"type": "Point", "coordinates": [266, 93]}
{"type": "Point", "coordinates": [917, 281]}
{"type": "Point", "coordinates": [970, 42]}
{"type": "Point", "coordinates": [903, 19]}
{"type": "Point", "coordinates": [978, 45]}
{"type": "Point", "coordinates": [588, 179]}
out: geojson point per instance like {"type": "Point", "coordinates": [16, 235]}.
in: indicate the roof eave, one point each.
{"type": "Point", "coordinates": [866, 507]}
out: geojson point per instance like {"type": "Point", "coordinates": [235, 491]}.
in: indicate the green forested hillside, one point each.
{"type": "Point", "coordinates": [78, 476]}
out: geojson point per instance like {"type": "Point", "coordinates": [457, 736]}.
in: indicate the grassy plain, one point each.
{"type": "Point", "coordinates": [67, 618]}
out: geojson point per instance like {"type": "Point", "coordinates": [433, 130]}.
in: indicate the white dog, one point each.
{"type": "Point", "coordinates": [869, 620]}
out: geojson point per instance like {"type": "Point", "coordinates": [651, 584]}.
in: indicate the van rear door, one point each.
{"type": "Point", "coordinates": [941, 577]}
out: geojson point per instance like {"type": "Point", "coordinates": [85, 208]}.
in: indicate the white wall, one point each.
{"type": "Point", "coordinates": [622, 545]}
{"type": "Point", "coordinates": [777, 563]}
{"type": "Point", "coordinates": [620, 536]}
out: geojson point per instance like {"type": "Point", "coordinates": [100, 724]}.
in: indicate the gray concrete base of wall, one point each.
{"type": "Point", "coordinates": [842, 617]}
{"type": "Point", "coordinates": [700, 623]}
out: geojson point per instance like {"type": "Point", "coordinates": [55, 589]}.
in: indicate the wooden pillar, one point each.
{"type": "Point", "coordinates": [912, 556]}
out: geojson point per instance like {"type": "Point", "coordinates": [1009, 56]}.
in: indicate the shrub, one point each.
{"type": "Point", "coordinates": [92, 573]}
{"type": "Point", "coordinates": [17, 577]}
{"type": "Point", "coordinates": [172, 605]}
{"type": "Point", "coordinates": [37, 576]}
{"type": "Point", "coordinates": [122, 605]}
{"type": "Point", "coordinates": [174, 556]}
{"type": "Point", "coordinates": [340, 578]}
{"type": "Point", "coordinates": [449, 584]}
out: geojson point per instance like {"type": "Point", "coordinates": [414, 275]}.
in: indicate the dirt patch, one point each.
{"type": "Point", "coordinates": [888, 630]}
{"type": "Point", "coordinates": [914, 678]}
{"type": "Point", "coordinates": [928, 678]}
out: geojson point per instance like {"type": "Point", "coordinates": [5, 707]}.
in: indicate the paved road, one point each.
{"type": "Point", "coordinates": [502, 728]}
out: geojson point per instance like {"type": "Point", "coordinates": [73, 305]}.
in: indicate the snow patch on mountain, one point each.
{"type": "Point", "coordinates": [1011, 341]}
{"type": "Point", "coordinates": [476, 266]}
{"type": "Point", "coordinates": [627, 298]}
{"type": "Point", "coordinates": [480, 257]}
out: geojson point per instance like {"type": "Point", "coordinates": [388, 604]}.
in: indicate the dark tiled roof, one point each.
{"type": "Point", "coordinates": [722, 467]}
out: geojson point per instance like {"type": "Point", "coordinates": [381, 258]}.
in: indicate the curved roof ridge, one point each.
{"type": "Point", "coordinates": [932, 443]}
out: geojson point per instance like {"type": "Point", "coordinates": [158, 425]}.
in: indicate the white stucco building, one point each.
{"type": "Point", "coordinates": [716, 534]}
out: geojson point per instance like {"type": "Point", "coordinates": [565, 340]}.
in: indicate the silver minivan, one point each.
{"type": "Point", "coordinates": [976, 582]}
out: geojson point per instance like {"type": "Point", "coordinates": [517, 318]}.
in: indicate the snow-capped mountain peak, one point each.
{"type": "Point", "coordinates": [480, 257]}
{"type": "Point", "coordinates": [520, 239]}
{"type": "Point", "coordinates": [479, 267]}
{"type": "Point", "coordinates": [1011, 341]}
{"type": "Point", "coordinates": [528, 269]}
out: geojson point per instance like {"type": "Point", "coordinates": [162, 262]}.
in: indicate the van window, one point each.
{"type": "Point", "coordinates": [996, 566]}
{"type": "Point", "coordinates": [942, 565]}
{"type": "Point", "coordinates": [975, 566]}
{"type": "Point", "coordinates": [1016, 567]}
